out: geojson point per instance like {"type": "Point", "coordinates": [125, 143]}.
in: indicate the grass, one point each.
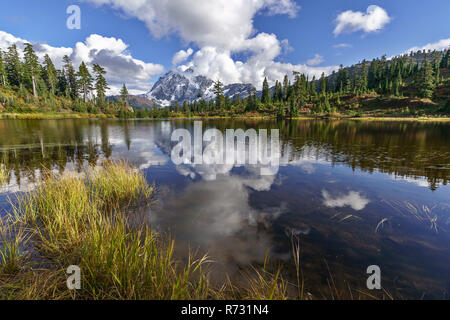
{"type": "Point", "coordinates": [85, 221]}
{"type": "Point", "coordinates": [91, 221]}
{"type": "Point", "coordinates": [50, 116]}
{"type": "Point", "coordinates": [3, 175]}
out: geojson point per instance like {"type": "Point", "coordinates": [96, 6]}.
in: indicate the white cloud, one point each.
{"type": "Point", "coordinates": [181, 56]}
{"type": "Point", "coordinates": [282, 7]}
{"type": "Point", "coordinates": [352, 199]}
{"type": "Point", "coordinates": [342, 45]}
{"type": "Point", "coordinates": [439, 45]}
{"type": "Point", "coordinates": [318, 59]}
{"type": "Point", "coordinates": [111, 53]}
{"type": "Point", "coordinates": [220, 29]}
{"type": "Point", "coordinates": [373, 20]}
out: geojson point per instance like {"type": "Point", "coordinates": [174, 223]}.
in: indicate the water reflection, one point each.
{"type": "Point", "coordinates": [356, 193]}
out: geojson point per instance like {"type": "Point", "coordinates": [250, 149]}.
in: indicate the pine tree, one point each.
{"type": "Point", "coordinates": [313, 86]}
{"type": "Point", "coordinates": [3, 74]}
{"type": "Point", "coordinates": [85, 81]}
{"type": "Point", "coordinates": [426, 80]}
{"type": "Point", "coordinates": [445, 62]}
{"type": "Point", "coordinates": [31, 68]}
{"type": "Point", "coordinates": [124, 96]}
{"type": "Point", "coordinates": [13, 66]}
{"type": "Point", "coordinates": [363, 78]}
{"type": "Point", "coordinates": [50, 74]}
{"type": "Point", "coordinates": [285, 87]}
{"type": "Point", "coordinates": [218, 91]}
{"type": "Point", "coordinates": [323, 84]}
{"type": "Point", "coordinates": [62, 85]}
{"type": "Point", "coordinates": [100, 83]}
{"type": "Point", "coordinates": [72, 83]}
{"type": "Point", "coordinates": [265, 98]}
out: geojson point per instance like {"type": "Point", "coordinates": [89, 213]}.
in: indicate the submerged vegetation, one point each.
{"type": "Point", "coordinates": [92, 221]}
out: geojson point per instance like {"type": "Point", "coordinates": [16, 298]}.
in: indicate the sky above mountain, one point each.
{"type": "Point", "coordinates": [230, 40]}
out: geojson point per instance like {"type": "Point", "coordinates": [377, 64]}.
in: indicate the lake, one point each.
{"type": "Point", "coordinates": [353, 194]}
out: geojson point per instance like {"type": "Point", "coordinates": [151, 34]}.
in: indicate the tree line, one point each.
{"type": "Point", "coordinates": [28, 75]}
{"type": "Point", "coordinates": [398, 77]}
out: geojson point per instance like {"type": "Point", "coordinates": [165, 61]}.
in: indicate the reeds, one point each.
{"type": "Point", "coordinates": [83, 221]}
{"type": "Point", "coordinates": [3, 175]}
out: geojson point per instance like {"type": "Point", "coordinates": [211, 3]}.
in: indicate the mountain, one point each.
{"type": "Point", "coordinates": [185, 86]}
{"type": "Point", "coordinates": [140, 102]}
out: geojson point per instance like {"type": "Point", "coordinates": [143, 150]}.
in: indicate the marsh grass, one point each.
{"type": "Point", "coordinates": [84, 221]}
{"type": "Point", "coordinates": [89, 221]}
{"type": "Point", "coordinates": [3, 175]}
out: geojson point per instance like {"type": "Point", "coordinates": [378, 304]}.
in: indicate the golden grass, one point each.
{"type": "Point", "coordinates": [3, 175]}
{"type": "Point", "coordinates": [84, 221]}
{"type": "Point", "coordinates": [50, 116]}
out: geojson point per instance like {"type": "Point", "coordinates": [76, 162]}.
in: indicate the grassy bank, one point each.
{"type": "Point", "coordinates": [52, 115]}
{"type": "Point", "coordinates": [91, 221]}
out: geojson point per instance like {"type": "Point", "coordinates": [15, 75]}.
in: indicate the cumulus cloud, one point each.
{"type": "Point", "coordinates": [353, 199]}
{"type": "Point", "coordinates": [220, 29]}
{"type": "Point", "coordinates": [181, 56]}
{"type": "Point", "coordinates": [111, 53]}
{"type": "Point", "coordinates": [439, 45]}
{"type": "Point", "coordinates": [318, 59]}
{"type": "Point", "coordinates": [374, 19]}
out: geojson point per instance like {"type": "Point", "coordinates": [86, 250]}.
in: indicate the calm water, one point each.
{"type": "Point", "coordinates": [337, 182]}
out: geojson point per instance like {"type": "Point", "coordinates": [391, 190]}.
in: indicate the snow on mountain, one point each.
{"type": "Point", "coordinates": [185, 86]}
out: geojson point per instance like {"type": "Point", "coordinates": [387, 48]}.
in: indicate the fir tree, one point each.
{"type": "Point", "coordinates": [85, 81]}
{"type": "Point", "coordinates": [218, 91]}
{"type": "Point", "coordinates": [31, 68]}
{"type": "Point", "coordinates": [100, 83]}
{"type": "Point", "coordinates": [3, 74]}
{"type": "Point", "coordinates": [50, 74]}
{"type": "Point", "coordinates": [265, 98]}
{"type": "Point", "coordinates": [72, 83]}
{"type": "Point", "coordinates": [426, 80]}
{"type": "Point", "coordinates": [124, 96]}
{"type": "Point", "coordinates": [13, 66]}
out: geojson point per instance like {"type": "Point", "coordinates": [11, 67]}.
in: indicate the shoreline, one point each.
{"type": "Point", "coordinates": [62, 115]}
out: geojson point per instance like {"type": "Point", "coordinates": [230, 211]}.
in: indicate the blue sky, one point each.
{"type": "Point", "coordinates": [235, 40]}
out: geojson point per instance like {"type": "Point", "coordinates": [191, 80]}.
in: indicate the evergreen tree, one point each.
{"type": "Point", "coordinates": [285, 87]}
{"type": "Point", "coordinates": [13, 66]}
{"type": "Point", "coordinates": [124, 96]}
{"type": "Point", "coordinates": [72, 83]}
{"type": "Point", "coordinates": [363, 78]}
{"type": "Point", "coordinates": [50, 74]}
{"type": "Point", "coordinates": [426, 80]}
{"type": "Point", "coordinates": [62, 85]}
{"type": "Point", "coordinates": [218, 91]}
{"type": "Point", "coordinates": [100, 83]}
{"type": "Point", "coordinates": [323, 84]}
{"type": "Point", "coordinates": [31, 68]}
{"type": "Point", "coordinates": [265, 98]}
{"type": "Point", "coordinates": [313, 86]}
{"type": "Point", "coordinates": [85, 81]}
{"type": "Point", "coordinates": [3, 74]}
{"type": "Point", "coordinates": [445, 62]}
